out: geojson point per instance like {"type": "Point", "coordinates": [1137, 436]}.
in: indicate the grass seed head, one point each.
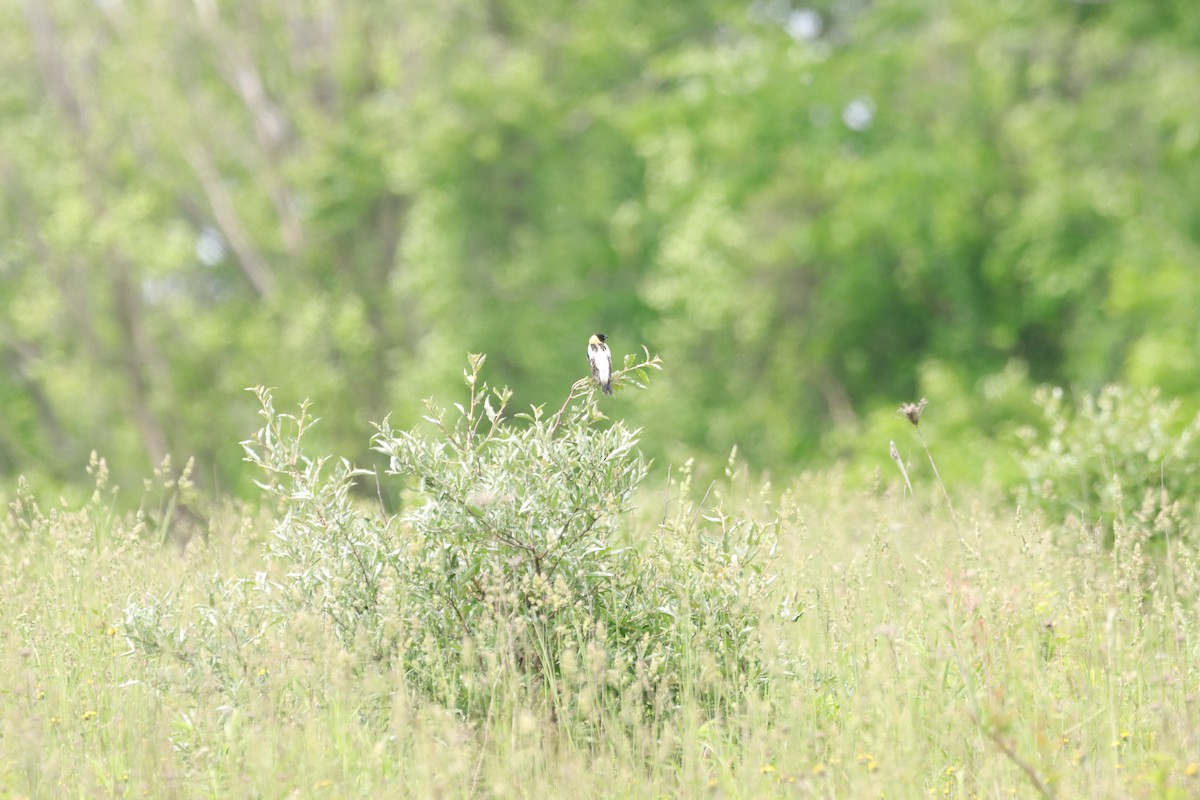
{"type": "Point", "coordinates": [912, 411]}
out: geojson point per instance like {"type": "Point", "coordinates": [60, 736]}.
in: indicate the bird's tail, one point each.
{"type": "Point", "coordinates": [606, 387]}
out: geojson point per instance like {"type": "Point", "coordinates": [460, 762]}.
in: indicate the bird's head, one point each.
{"type": "Point", "coordinates": [597, 338]}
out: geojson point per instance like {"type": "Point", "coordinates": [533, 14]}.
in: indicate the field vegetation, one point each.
{"type": "Point", "coordinates": [755, 578]}
{"type": "Point", "coordinates": [550, 616]}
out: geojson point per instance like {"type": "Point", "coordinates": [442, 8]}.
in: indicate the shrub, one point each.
{"type": "Point", "coordinates": [517, 565]}
{"type": "Point", "coordinates": [516, 542]}
{"type": "Point", "coordinates": [512, 537]}
{"type": "Point", "coordinates": [1122, 456]}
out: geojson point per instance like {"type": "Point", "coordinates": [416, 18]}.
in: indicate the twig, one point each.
{"type": "Point", "coordinates": [666, 497]}
{"type": "Point", "coordinates": [942, 485]}
{"type": "Point", "coordinates": [1012, 756]}
{"type": "Point", "coordinates": [575, 389]}
{"type": "Point", "coordinates": [585, 383]}
{"type": "Point", "coordinates": [700, 507]}
{"type": "Point", "coordinates": [379, 493]}
{"type": "Point", "coordinates": [895, 454]}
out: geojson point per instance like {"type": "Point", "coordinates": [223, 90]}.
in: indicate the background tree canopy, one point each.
{"type": "Point", "coordinates": [812, 211]}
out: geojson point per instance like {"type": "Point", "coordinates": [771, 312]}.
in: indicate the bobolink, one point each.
{"type": "Point", "coordinates": [601, 360]}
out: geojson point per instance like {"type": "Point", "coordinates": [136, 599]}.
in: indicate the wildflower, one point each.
{"type": "Point", "coordinates": [912, 411]}
{"type": "Point", "coordinates": [818, 770]}
{"type": "Point", "coordinates": [1192, 769]}
{"type": "Point", "coordinates": [768, 769]}
{"type": "Point", "coordinates": [868, 761]}
{"type": "Point", "coordinates": [88, 716]}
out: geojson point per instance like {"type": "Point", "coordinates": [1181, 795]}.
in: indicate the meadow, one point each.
{"type": "Point", "coordinates": [816, 210]}
{"type": "Point", "coordinates": [821, 639]}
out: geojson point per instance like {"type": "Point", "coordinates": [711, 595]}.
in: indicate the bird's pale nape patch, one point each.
{"type": "Point", "coordinates": [600, 360]}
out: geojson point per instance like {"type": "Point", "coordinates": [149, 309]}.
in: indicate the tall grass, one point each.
{"type": "Point", "coordinates": [903, 656]}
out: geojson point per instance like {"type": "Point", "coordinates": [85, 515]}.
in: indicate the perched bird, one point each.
{"type": "Point", "coordinates": [601, 360]}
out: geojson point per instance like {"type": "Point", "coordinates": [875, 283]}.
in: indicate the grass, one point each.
{"type": "Point", "coordinates": [907, 660]}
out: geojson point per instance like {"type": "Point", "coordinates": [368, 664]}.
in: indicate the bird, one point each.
{"type": "Point", "coordinates": [601, 360]}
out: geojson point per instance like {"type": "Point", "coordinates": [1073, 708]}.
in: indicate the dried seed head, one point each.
{"type": "Point", "coordinates": [912, 411]}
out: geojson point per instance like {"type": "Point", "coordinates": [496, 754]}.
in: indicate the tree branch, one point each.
{"type": "Point", "coordinates": [254, 266]}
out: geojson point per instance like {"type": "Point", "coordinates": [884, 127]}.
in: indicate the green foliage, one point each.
{"type": "Point", "coordinates": [906, 664]}
{"type": "Point", "coordinates": [515, 543]}
{"type": "Point", "coordinates": [514, 530]}
{"type": "Point", "coordinates": [811, 207]}
{"type": "Point", "coordinates": [1123, 457]}
{"type": "Point", "coordinates": [513, 560]}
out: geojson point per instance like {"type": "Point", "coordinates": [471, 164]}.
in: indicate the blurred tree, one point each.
{"type": "Point", "coordinates": [804, 208]}
{"type": "Point", "coordinates": [202, 205]}
{"type": "Point", "coordinates": [850, 191]}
